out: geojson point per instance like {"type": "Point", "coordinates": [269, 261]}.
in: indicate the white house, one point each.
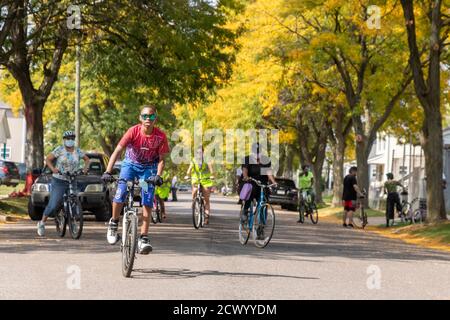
{"type": "Point", "coordinates": [14, 150]}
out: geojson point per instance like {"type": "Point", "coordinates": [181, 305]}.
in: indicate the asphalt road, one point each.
{"type": "Point", "coordinates": [323, 261]}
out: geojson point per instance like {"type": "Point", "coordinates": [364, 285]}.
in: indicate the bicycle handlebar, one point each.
{"type": "Point", "coordinates": [259, 183]}
{"type": "Point", "coordinates": [135, 181]}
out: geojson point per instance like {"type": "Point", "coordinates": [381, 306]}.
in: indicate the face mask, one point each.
{"type": "Point", "coordinates": [69, 143]}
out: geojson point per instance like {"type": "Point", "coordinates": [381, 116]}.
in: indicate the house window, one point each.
{"type": "Point", "coordinates": [5, 154]}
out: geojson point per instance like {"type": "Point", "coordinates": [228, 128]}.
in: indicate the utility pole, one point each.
{"type": "Point", "coordinates": [77, 96]}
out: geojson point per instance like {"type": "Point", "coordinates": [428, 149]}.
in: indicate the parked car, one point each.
{"type": "Point", "coordinates": [22, 170]}
{"type": "Point", "coordinates": [183, 187]}
{"type": "Point", "coordinates": [9, 173]}
{"type": "Point", "coordinates": [286, 194]}
{"type": "Point", "coordinates": [95, 195]}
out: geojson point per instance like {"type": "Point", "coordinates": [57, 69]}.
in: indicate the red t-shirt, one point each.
{"type": "Point", "coordinates": [144, 149]}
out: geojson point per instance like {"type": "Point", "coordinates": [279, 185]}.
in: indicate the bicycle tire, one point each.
{"type": "Point", "coordinates": [154, 214]}
{"type": "Point", "coordinates": [196, 213]}
{"type": "Point", "coordinates": [129, 245]}
{"type": "Point", "coordinates": [76, 220]}
{"type": "Point", "coordinates": [301, 212]}
{"type": "Point", "coordinates": [202, 213]}
{"type": "Point", "coordinates": [314, 214]}
{"type": "Point", "coordinates": [268, 225]}
{"type": "Point", "coordinates": [244, 229]}
{"type": "Point", "coordinates": [61, 222]}
{"type": "Point", "coordinates": [360, 219]}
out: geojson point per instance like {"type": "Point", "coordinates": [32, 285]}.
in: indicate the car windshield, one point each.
{"type": "Point", "coordinates": [285, 184]}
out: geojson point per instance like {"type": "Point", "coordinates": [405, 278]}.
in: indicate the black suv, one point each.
{"type": "Point", "coordinates": [286, 194]}
{"type": "Point", "coordinates": [95, 195]}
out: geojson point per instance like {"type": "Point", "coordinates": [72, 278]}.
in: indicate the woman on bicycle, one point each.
{"type": "Point", "coordinates": [201, 171]}
{"type": "Point", "coordinates": [393, 199]}
{"type": "Point", "coordinates": [258, 167]}
{"type": "Point", "coordinates": [162, 193]}
{"type": "Point", "coordinates": [67, 161]}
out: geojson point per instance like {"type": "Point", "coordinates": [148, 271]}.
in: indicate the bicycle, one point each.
{"type": "Point", "coordinates": [419, 215]}
{"type": "Point", "coordinates": [257, 221]}
{"type": "Point", "coordinates": [130, 220]}
{"type": "Point", "coordinates": [360, 218]}
{"type": "Point", "coordinates": [405, 212]}
{"type": "Point", "coordinates": [198, 207]}
{"type": "Point", "coordinates": [307, 207]}
{"type": "Point", "coordinates": [70, 212]}
{"type": "Point", "coordinates": [156, 212]}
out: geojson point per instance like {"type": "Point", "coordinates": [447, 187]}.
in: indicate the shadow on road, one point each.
{"type": "Point", "coordinates": [186, 273]}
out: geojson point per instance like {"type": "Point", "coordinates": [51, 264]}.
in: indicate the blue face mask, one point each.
{"type": "Point", "coordinates": [69, 143]}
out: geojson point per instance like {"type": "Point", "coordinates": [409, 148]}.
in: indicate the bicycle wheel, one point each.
{"type": "Point", "coordinates": [202, 213]}
{"type": "Point", "coordinates": [314, 213]}
{"type": "Point", "coordinates": [405, 213]}
{"type": "Point", "coordinates": [61, 222]}
{"type": "Point", "coordinates": [159, 213]}
{"type": "Point", "coordinates": [244, 226]}
{"type": "Point", "coordinates": [301, 212]}
{"type": "Point", "coordinates": [154, 214]}
{"type": "Point", "coordinates": [263, 226]}
{"type": "Point", "coordinates": [360, 218]}
{"type": "Point", "coordinates": [129, 244]}
{"type": "Point", "coordinates": [75, 220]}
{"type": "Point", "coordinates": [417, 216]}
{"type": "Point", "coordinates": [196, 213]}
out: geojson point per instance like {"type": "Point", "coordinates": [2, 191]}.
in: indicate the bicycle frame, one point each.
{"type": "Point", "coordinates": [128, 208]}
{"type": "Point", "coordinates": [262, 201]}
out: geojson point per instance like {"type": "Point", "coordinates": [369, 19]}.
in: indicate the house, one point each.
{"type": "Point", "coordinates": [14, 150]}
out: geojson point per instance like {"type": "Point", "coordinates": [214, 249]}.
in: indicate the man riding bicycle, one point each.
{"type": "Point", "coordinates": [146, 146]}
{"type": "Point", "coordinates": [306, 182]}
{"type": "Point", "coordinates": [201, 172]}
{"type": "Point", "coordinates": [67, 161]}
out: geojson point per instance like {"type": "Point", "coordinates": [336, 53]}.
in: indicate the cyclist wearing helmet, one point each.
{"type": "Point", "coordinates": [393, 199]}
{"type": "Point", "coordinates": [67, 161]}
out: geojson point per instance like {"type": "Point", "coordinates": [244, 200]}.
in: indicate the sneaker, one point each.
{"type": "Point", "coordinates": [350, 225]}
{"type": "Point", "coordinates": [260, 234]}
{"type": "Point", "coordinates": [244, 218]}
{"type": "Point", "coordinates": [41, 228]}
{"type": "Point", "coordinates": [344, 225]}
{"type": "Point", "coordinates": [111, 234]}
{"type": "Point", "coordinates": [144, 245]}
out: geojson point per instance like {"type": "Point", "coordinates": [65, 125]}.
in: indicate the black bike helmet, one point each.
{"type": "Point", "coordinates": [68, 134]}
{"type": "Point", "coordinates": [390, 176]}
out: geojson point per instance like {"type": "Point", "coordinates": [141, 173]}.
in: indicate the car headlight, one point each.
{"type": "Point", "coordinates": [94, 188]}
{"type": "Point", "coordinates": [41, 187]}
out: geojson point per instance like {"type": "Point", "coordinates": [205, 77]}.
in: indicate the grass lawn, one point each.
{"type": "Point", "coordinates": [14, 206]}
{"type": "Point", "coordinates": [5, 190]}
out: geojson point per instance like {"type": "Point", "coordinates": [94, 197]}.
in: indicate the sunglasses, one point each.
{"type": "Point", "coordinates": [151, 117]}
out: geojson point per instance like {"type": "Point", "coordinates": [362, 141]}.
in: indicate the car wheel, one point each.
{"type": "Point", "coordinates": [35, 213]}
{"type": "Point", "coordinates": [104, 213]}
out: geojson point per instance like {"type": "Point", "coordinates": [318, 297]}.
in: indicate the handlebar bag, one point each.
{"type": "Point", "coordinates": [246, 191]}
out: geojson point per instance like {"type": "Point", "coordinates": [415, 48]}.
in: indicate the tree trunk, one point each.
{"type": "Point", "coordinates": [317, 168]}
{"type": "Point", "coordinates": [34, 147]}
{"type": "Point", "coordinates": [288, 155]}
{"type": "Point", "coordinates": [362, 156]}
{"type": "Point", "coordinates": [428, 92]}
{"type": "Point", "coordinates": [433, 146]}
{"type": "Point", "coordinates": [338, 171]}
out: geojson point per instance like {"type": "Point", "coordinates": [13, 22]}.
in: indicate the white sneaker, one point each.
{"type": "Point", "coordinates": [41, 228]}
{"type": "Point", "coordinates": [144, 245]}
{"type": "Point", "coordinates": [111, 234]}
